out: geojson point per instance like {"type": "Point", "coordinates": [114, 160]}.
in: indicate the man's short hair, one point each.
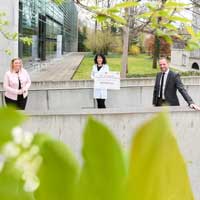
{"type": "Point", "coordinates": [164, 58]}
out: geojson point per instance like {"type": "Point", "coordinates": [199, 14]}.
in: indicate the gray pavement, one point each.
{"type": "Point", "coordinates": [57, 69]}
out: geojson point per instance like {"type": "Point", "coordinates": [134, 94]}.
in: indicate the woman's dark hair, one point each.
{"type": "Point", "coordinates": [102, 56]}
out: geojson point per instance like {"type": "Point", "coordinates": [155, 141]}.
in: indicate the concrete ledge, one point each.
{"type": "Point", "coordinates": [68, 127]}
{"type": "Point", "coordinates": [142, 81]}
{"type": "Point", "coordinates": [81, 98]}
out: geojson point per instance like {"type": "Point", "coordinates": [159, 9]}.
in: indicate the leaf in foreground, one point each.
{"type": "Point", "coordinates": [103, 173]}
{"type": "Point", "coordinates": [157, 169]}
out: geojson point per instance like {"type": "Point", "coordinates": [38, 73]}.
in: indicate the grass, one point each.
{"type": "Point", "coordinates": [138, 66]}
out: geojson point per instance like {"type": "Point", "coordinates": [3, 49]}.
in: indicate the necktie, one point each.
{"type": "Point", "coordinates": [161, 86]}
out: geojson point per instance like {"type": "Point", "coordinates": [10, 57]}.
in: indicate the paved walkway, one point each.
{"type": "Point", "coordinates": [58, 69]}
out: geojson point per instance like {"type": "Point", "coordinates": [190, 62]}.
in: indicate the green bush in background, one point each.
{"type": "Point", "coordinates": [134, 50]}
{"type": "Point", "coordinates": [38, 167]}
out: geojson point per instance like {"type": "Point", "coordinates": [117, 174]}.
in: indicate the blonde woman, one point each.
{"type": "Point", "coordinates": [16, 84]}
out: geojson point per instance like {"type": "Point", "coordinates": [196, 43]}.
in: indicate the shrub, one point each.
{"type": "Point", "coordinates": [134, 50]}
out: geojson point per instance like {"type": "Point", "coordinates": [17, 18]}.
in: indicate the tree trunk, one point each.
{"type": "Point", "coordinates": [156, 52]}
{"type": "Point", "coordinates": [124, 69]}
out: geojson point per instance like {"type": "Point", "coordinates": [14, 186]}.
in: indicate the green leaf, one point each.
{"type": "Point", "coordinates": [192, 45]}
{"type": "Point", "coordinates": [151, 6]}
{"type": "Point", "coordinates": [58, 1]}
{"type": "Point", "coordinates": [145, 15]}
{"type": "Point", "coordinates": [101, 18]}
{"type": "Point", "coordinates": [8, 52]}
{"type": "Point", "coordinates": [175, 4]}
{"type": "Point", "coordinates": [113, 10]}
{"type": "Point", "coordinates": [127, 4]}
{"type": "Point", "coordinates": [163, 13]}
{"type": "Point", "coordinates": [26, 40]}
{"type": "Point", "coordinates": [169, 26]}
{"type": "Point", "coordinates": [160, 32]}
{"type": "Point", "coordinates": [118, 19]}
{"type": "Point", "coordinates": [11, 184]}
{"type": "Point", "coordinates": [179, 19]}
{"type": "Point", "coordinates": [157, 169]}
{"type": "Point", "coordinates": [190, 30]}
{"type": "Point", "coordinates": [59, 171]}
{"type": "Point", "coordinates": [104, 170]}
{"type": "Point", "coordinates": [9, 118]}
{"type": "Point", "coordinates": [167, 38]}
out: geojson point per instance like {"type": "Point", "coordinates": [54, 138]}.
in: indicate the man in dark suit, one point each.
{"type": "Point", "coordinates": [166, 85]}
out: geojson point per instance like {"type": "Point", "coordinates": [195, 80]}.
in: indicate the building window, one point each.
{"type": "Point", "coordinates": [184, 60]}
{"type": "Point", "coordinates": [44, 21]}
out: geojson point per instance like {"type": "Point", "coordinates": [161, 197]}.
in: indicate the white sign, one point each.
{"type": "Point", "coordinates": [109, 80]}
{"type": "Point", "coordinates": [59, 46]}
{"type": "Point", "coordinates": [34, 47]}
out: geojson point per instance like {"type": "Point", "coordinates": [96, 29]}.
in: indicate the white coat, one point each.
{"type": "Point", "coordinates": [99, 93]}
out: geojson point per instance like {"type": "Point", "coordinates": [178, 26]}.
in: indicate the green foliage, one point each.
{"type": "Point", "coordinates": [58, 1]}
{"type": "Point", "coordinates": [159, 18]}
{"type": "Point", "coordinates": [104, 171]}
{"type": "Point", "coordinates": [139, 65]}
{"type": "Point", "coordinates": [59, 171]}
{"type": "Point", "coordinates": [8, 120]}
{"type": "Point", "coordinates": [134, 50]}
{"type": "Point", "coordinates": [155, 171]}
{"type": "Point", "coordinates": [26, 40]}
{"type": "Point", "coordinates": [104, 14]}
{"type": "Point", "coordinates": [8, 35]}
{"type": "Point", "coordinates": [101, 41]}
{"type": "Point", "coordinates": [156, 164]}
{"type": "Point", "coordinates": [11, 184]}
{"type": "Point", "coordinates": [82, 36]}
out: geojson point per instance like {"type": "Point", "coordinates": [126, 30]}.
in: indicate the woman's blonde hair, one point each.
{"type": "Point", "coordinates": [12, 62]}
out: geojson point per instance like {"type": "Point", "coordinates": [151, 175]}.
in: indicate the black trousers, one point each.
{"type": "Point", "coordinates": [101, 103]}
{"type": "Point", "coordinates": [20, 103]}
{"type": "Point", "coordinates": [161, 102]}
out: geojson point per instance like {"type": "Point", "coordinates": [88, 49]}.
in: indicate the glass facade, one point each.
{"type": "Point", "coordinates": [44, 21]}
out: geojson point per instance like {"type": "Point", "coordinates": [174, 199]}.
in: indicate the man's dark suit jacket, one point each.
{"type": "Point", "coordinates": [173, 83]}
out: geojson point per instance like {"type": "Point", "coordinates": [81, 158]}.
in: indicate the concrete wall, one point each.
{"type": "Point", "coordinates": [68, 127]}
{"type": "Point", "coordinates": [76, 95]}
{"type": "Point", "coordinates": [11, 8]}
{"type": "Point", "coordinates": [180, 57]}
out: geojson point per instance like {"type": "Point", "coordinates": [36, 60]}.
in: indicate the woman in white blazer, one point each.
{"type": "Point", "coordinates": [100, 67]}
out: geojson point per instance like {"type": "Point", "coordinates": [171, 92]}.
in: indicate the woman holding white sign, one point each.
{"type": "Point", "coordinates": [100, 68]}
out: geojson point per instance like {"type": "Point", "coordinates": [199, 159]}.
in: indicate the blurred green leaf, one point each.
{"type": "Point", "coordinates": [163, 13]}
{"type": "Point", "coordinates": [169, 26]}
{"type": "Point", "coordinates": [59, 171]}
{"type": "Point", "coordinates": [101, 18]}
{"type": "Point", "coordinates": [167, 38]}
{"type": "Point", "coordinates": [11, 184]}
{"type": "Point", "coordinates": [26, 40]}
{"type": "Point", "coordinates": [58, 1]}
{"type": "Point", "coordinates": [104, 170]}
{"type": "Point", "coordinates": [190, 30]}
{"type": "Point", "coordinates": [9, 118]}
{"type": "Point", "coordinates": [152, 6]}
{"type": "Point", "coordinates": [113, 10]}
{"type": "Point", "coordinates": [192, 45]}
{"type": "Point", "coordinates": [174, 4]}
{"type": "Point", "coordinates": [8, 52]}
{"type": "Point", "coordinates": [157, 169]}
{"type": "Point", "coordinates": [179, 19]}
{"type": "Point", "coordinates": [127, 4]}
{"type": "Point", "coordinates": [118, 19]}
